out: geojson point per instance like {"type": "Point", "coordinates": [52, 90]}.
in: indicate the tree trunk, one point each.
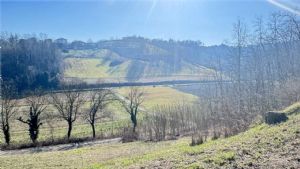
{"type": "Point", "coordinates": [34, 131]}
{"type": "Point", "coordinates": [134, 126]}
{"type": "Point", "coordinates": [69, 129]}
{"type": "Point", "coordinates": [94, 132]}
{"type": "Point", "coordinates": [33, 135]}
{"type": "Point", "coordinates": [6, 134]}
{"type": "Point", "coordinates": [134, 122]}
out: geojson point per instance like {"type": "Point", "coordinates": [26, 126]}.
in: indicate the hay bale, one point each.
{"type": "Point", "coordinates": [275, 117]}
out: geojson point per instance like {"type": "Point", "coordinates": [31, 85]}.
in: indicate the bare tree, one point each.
{"type": "Point", "coordinates": [239, 36]}
{"type": "Point", "coordinates": [68, 104]}
{"type": "Point", "coordinates": [37, 103]}
{"type": "Point", "coordinates": [257, 65]}
{"type": "Point", "coordinates": [8, 109]}
{"type": "Point", "coordinates": [132, 103]}
{"type": "Point", "coordinates": [98, 102]}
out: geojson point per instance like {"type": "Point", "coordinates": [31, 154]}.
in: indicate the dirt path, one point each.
{"type": "Point", "coordinates": [61, 147]}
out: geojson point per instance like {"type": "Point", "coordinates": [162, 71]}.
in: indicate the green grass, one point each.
{"type": "Point", "coordinates": [97, 64]}
{"type": "Point", "coordinates": [157, 96]}
{"type": "Point", "coordinates": [262, 146]}
{"type": "Point", "coordinates": [93, 64]}
{"type": "Point", "coordinates": [293, 109]}
{"type": "Point", "coordinates": [85, 68]}
{"type": "Point", "coordinates": [94, 68]}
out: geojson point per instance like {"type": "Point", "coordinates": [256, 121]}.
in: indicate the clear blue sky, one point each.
{"type": "Point", "coordinates": [209, 21]}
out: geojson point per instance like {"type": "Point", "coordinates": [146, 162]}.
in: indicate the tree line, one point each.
{"type": "Point", "coordinates": [66, 104]}
{"type": "Point", "coordinates": [29, 62]}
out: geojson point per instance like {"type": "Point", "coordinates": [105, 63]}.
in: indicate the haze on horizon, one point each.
{"type": "Point", "coordinates": [207, 21]}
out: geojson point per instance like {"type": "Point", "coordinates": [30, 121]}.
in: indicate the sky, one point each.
{"type": "Point", "coordinates": [209, 21]}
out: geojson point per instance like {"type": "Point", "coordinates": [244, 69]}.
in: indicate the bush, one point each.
{"type": "Point", "coordinates": [129, 135]}
{"type": "Point", "coordinates": [197, 139]}
{"type": "Point", "coordinates": [216, 135]}
{"type": "Point", "coordinates": [226, 133]}
{"type": "Point", "coordinates": [275, 117]}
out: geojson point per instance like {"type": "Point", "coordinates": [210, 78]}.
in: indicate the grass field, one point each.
{"type": "Point", "coordinates": [154, 96]}
{"type": "Point", "coordinates": [262, 146]}
{"type": "Point", "coordinates": [85, 68]}
{"type": "Point", "coordinates": [93, 68]}
{"type": "Point", "coordinates": [159, 95]}
{"type": "Point", "coordinates": [110, 67]}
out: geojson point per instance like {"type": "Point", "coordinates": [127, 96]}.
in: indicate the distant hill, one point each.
{"type": "Point", "coordinates": [140, 59]}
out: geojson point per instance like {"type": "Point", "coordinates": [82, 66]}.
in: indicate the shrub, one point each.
{"type": "Point", "coordinates": [129, 135]}
{"type": "Point", "coordinates": [226, 134]}
{"type": "Point", "coordinates": [275, 117]}
{"type": "Point", "coordinates": [197, 139]}
{"type": "Point", "coordinates": [216, 135]}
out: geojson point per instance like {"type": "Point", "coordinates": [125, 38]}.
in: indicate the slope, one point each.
{"type": "Point", "coordinates": [262, 146]}
{"type": "Point", "coordinates": [109, 66]}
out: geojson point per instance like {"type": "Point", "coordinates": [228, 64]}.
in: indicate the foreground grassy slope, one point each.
{"type": "Point", "coordinates": [262, 146]}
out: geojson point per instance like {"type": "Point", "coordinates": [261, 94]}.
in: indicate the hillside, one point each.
{"type": "Point", "coordinates": [139, 59]}
{"type": "Point", "coordinates": [148, 60]}
{"type": "Point", "coordinates": [107, 66]}
{"type": "Point", "coordinates": [262, 146]}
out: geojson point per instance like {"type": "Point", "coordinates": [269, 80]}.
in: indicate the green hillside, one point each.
{"type": "Point", "coordinates": [109, 66]}
{"type": "Point", "coordinates": [262, 146]}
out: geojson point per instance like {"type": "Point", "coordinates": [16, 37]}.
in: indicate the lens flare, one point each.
{"type": "Point", "coordinates": [291, 6]}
